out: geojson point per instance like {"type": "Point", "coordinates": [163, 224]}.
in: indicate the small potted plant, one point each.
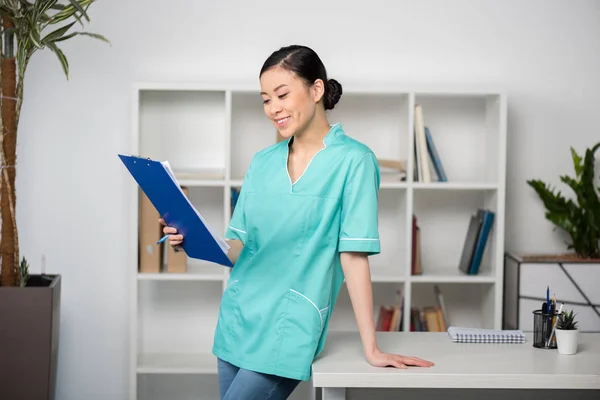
{"type": "Point", "coordinates": [567, 333]}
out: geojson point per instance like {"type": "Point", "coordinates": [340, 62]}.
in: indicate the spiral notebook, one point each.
{"type": "Point", "coordinates": [474, 335]}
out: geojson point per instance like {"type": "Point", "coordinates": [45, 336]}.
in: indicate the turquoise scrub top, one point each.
{"type": "Point", "coordinates": [276, 306]}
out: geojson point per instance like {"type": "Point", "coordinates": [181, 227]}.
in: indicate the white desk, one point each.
{"type": "Point", "coordinates": [342, 365]}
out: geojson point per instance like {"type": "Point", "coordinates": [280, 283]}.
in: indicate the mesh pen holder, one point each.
{"type": "Point", "coordinates": [543, 335]}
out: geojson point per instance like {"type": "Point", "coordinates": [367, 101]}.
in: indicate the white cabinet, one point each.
{"type": "Point", "coordinates": [576, 284]}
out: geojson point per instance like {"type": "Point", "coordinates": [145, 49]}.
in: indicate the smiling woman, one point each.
{"type": "Point", "coordinates": [306, 219]}
{"type": "Point", "coordinates": [295, 86]}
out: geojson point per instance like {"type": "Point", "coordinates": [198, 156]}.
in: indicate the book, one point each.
{"type": "Point", "coordinates": [421, 146]}
{"type": "Point", "coordinates": [476, 335]}
{"type": "Point", "coordinates": [434, 156]}
{"type": "Point", "coordinates": [487, 221]}
{"type": "Point", "coordinates": [478, 231]}
{"type": "Point", "coordinates": [470, 242]}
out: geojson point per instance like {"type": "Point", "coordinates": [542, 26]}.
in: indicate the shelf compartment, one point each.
{"type": "Point", "coordinates": [443, 218]}
{"type": "Point", "coordinates": [391, 262]}
{"type": "Point", "coordinates": [251, 131]}
{"type": "Point", "coordinates": [185, 128]}
{"type": "Point", "coordinates": [385, 294]}
{"type": "Point", "coordinates": [467, 134]}
{"type": "Point", "coordinates": [379, 120]}
{"type": "Point", "coordinates": [210, 203]}
{"type": "Point", "coordinates": [176, 318]}
{"type": "Point", "coordinates": [466, 305]}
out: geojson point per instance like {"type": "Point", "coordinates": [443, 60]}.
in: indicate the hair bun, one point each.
{"type": "Point", "coordinates": [333, 92]}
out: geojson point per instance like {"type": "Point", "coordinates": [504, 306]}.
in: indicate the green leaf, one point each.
{"type": "Point", "coordinates": [79, 8]}
{"type": "Point", "coordinates": [35, 39]}
{"type": "Point", "coordinates": [69, 11]}
{"type": "Point", "coordinates": [94, 35]}
{"type": "Point", "coordinates": [41, 6]}
{"type": "Point", "coordinates": [61, 57]}
{"type": "Point", "coordinates": [576, 162]}
{"type": "Point", "coordinates": [581, 219]}
{"type": "Point", "coordinates": [58, 33]}
{"type": "Point", "coordinates": [5, 10]}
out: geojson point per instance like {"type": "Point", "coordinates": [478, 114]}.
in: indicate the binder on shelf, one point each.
{"type": "Point", "coordinates": [157, 181]}
{"type": "Point", "coordinates": [176, 261]}
{"type": "Point", "coordinates": [150, 255]}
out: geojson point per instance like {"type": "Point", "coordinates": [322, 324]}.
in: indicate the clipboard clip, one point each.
{"type": "Point", "coordinates": [140, 157]}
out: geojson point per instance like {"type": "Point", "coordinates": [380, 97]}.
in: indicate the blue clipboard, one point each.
{"type": "Point", "coordinates": [171, 203]}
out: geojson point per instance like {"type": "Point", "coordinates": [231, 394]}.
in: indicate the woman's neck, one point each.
{"type": "Point", "coordinates": [311, 138]}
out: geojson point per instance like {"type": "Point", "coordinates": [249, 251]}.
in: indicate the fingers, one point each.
{"type": "Point", "coordinates": [402, 362]}
{"type": "Point", "coordinates": [175, 240]}
{"type": "Point", "coordinates": [417, 362]}
{"type": "Point", "coordinates": [169, 230]}
{"type": "Point", "coordinates": [393, 360]}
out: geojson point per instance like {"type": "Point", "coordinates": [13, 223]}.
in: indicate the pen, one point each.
{"type": "Point", "coordinates": [162, 239]}
{"type": "Point", "coordinates": [554, 326]}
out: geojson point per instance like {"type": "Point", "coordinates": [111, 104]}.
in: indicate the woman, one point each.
{"type": "Point", "coordinates": [305, 220]}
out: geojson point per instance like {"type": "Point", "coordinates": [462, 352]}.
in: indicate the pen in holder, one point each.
{"type": "Point", "coordinates": [543, 333]}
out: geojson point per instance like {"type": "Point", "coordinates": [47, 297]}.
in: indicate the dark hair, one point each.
{"type": "Point", "coordinates": [304, 62]}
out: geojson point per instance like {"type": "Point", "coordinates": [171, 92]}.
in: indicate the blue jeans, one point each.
{"type": "Point", "coordinates": [240, 384]}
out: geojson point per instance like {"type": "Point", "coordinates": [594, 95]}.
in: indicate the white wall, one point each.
{"type": "Point", "coordinates": [72, 188]}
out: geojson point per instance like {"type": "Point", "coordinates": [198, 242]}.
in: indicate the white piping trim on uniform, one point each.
{"type": "Point", "coordinates": [373, 239]}
{"type": "Point", "coordinates": [311, 302]}
{"type": "Point", "coordinates": [287, 158]}
{"type": "Point", "coordinates": [308, 165]}
{"type": "Point", "coordinates": [236, 229]}
{"type": "Point", "coordinates": [231, 283]}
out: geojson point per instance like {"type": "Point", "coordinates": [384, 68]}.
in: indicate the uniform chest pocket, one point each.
{"type": "Point", "coordinates": [278, 219]}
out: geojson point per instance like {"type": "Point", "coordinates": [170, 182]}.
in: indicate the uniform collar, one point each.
{"type": "Point", "coordinates": [335, 131]}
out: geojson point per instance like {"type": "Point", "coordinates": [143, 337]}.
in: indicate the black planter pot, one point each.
{"type": "Point", "coordinates": [29, 337]}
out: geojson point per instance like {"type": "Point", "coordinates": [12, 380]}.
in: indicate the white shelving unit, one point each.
{"type": "Point", "coordinates": [218, 127]}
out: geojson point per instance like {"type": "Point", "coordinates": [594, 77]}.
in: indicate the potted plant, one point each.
{"type": "Point", "coordinates": [567, 333]}
{"type": "Point", "coordinates": [578, 217]}
{"type": "Point", "coordinates": [29, 303]}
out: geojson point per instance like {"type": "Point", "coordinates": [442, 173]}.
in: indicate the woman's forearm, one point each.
{"type": "Point", "coordinates": [236, 247]}
{"type": "Point", "coordinates": [358, 281]}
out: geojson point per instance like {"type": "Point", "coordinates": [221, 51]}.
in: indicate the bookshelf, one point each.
{"type": "Point", "coordinates": [209, 132]}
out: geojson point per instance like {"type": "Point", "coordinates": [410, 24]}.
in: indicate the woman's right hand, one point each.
{"type": "Point", "coordinates": [175, 239]}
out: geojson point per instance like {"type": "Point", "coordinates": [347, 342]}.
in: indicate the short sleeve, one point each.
{"type": "Point", "coordinates": [237, 229]}
{"type": "Point", "coordinates": [359, 215]}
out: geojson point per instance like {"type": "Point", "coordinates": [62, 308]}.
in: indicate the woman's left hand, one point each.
{"type": "Point", "coordinates": [381, 359]}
